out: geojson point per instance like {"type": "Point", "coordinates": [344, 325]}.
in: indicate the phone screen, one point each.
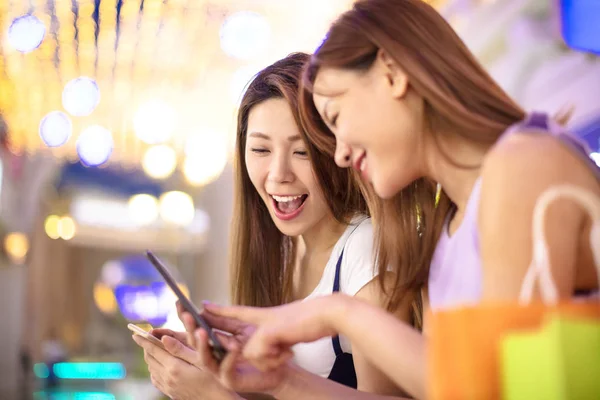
{"type": "Point", "coordinates": [217, 348]}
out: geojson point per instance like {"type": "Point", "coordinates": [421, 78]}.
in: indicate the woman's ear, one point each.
{"type": "Point", "coordinates": [395, 75]}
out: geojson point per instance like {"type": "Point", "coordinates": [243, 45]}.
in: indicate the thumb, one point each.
{"type": "Point", "coordinates": [179, 350]}
{"type": "Point", "coordinates": [250, 315]}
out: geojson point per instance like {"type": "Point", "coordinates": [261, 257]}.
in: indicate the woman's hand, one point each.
{"type": "Point", "coordinates": [277, 329]}
{"type": "Point", "coordinates": [177, 378]}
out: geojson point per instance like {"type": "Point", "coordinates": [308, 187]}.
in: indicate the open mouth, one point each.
{"type": "Point", "coordinates": [288, 205]}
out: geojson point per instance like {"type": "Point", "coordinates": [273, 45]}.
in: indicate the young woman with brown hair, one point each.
{"type": "Point", "coordinates": [299, 231]}
{"type": "Point", "coordinates": [408, 106]}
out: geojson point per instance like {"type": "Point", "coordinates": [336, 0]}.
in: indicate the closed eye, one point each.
{"type": "Point", "coordinates": [302, 153]}
{"type": "Point", "coordinates": [334, 120]}
{"type": "Point", "coordinates": [259, 151]}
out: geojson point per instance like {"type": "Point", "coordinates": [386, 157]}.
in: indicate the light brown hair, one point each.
{"type": "Point", "coordinates": [261, 257]}
{"type": "Point", "coordinates": [459, 96]}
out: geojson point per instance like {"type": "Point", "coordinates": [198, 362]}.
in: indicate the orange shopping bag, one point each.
{"type": "Point", "coordinates": [465, 343]}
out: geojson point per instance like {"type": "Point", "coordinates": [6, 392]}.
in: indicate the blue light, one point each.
{"type": "Point", "coordinates": [81, 96]}
{"type": "Point", "coordinates": [95, 145]}
{"type": "Point", "coordinates": [54, 395]}
{"type": "Point", "coordinates": [144, 303]}
{"type": "Point", "coordinates": [55, 129]}
{"type": "Point", "coordinates": [104, 371]}
{"type": "Point", "coordinates": [41, 371]}
{"type": "Point", "coordinates": [581, 24]}
{"type": "Point", "coordinates": [26, 33]}
{"type": "Point", "coordinates": [245, 35]}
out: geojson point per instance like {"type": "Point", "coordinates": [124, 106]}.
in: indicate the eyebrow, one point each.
{"type": "Point", "coordinates": [260, 135]}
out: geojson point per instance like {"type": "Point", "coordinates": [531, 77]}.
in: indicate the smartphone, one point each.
{"type": "Point", "coordinates": [146, 335]}
{"type": "Point", "coordinates": [217, 349]}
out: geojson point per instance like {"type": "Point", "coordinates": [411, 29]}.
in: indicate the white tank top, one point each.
{"type": "Point", "coordinates": [357, 270]}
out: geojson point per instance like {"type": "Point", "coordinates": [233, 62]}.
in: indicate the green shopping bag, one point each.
{"type": "Point", "coordinates": [559, 361]}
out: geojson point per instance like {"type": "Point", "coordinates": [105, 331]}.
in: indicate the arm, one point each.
{"type": "Point", "coordinates": [386, 343]}
{"type": "Point", "coordinates": [301, 384]}
{"type": "Point", "coordinates": [513, 177]}
{"type": "Point", "coordinates": [369, 377]}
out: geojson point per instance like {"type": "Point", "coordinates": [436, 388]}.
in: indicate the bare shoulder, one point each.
{"type": "Point", "coordinates": [529, 162]}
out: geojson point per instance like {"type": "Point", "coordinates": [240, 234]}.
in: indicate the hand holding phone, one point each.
{"type": "Point", "coordinates": [146, 335]}
{"type": "Point", "coordinates": [218, 350]}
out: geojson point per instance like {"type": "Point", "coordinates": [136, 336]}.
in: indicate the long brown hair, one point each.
{"type": "Point", "coordinates": [459, 96]}
{"type": "Point", "coordinates": [261, 257]}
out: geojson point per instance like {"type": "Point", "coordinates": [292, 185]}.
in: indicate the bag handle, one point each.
{"type": "Point", "coordinates": [539, 270]}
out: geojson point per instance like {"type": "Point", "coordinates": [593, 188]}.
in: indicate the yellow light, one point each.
{"type": "Point", "coordinates": [66, 228]}
{"type": "Point", "coordinates": [176, 208]}
{"type": "Point", "coordinates": [143, 209]}
{"type": "Point", "coordinates": [154, 120]}
{"type": "Point", "coordinates": [199, 172]}
{"type": "Point", "coordinates": [51, 226]}
{"type": "Point", "coordinates": [16, 245]}
{"type": "Point", "coordinates": [206, 157]}
{"type": "Point", "coordinates": [159, 161]}
{"type": "Point", "coordinates": [105, 298]}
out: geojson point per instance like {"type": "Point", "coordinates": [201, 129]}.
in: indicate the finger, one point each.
{"type": "Point", "coordinates": [158, 383]}
{"type": "Point", "coordinates": [162, 356]}
{"type": "Point", "coordinates": [180, 309]}
{"type": "Point", "coordinates": [160, 332]}
{"type": "Point", "coordinates": [179, 350]}
{"type": "Point", "coordinates": [203, 350]}
{"type": "Point", "coordinates": [226, 340]}
{"type": "Point", "coordinates": [276, 361]}
{"type": "Point", "coordinates": [190, 327]}
{"type": "Point", "coordinates": [228, 367]}
{"type": "Point", "coordinates": [226, 324]}
{"type": "Point", "coordinates": [265, 352]}
{"type": "Point", "coordinates": [252, 315]}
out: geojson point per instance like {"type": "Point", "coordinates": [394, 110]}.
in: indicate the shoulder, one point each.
{"type": "Point", "coordinates": [360, 240]}
{"type": "Point", "coordinates": [527, 155]}
{"type": "Point", "coordinates": [358, 264]}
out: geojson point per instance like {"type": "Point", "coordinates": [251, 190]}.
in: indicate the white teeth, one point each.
{"type": "Point", "coordinates": [363, 164]}
{"type": "Point", "coordinates": [284, 199]}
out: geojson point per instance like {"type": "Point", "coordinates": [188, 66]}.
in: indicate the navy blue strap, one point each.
{"type": "Point", "coordinates": [337, 348]}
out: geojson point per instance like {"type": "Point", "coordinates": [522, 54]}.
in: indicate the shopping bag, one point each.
{"type": "Point", "coordinates": [559, 362]}
{"type": "Point", "coordinates": [464, 348]}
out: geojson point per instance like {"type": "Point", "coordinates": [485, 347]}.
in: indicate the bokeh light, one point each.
{"type": "Point", "coordinates": [154, 122]}
{"type": "Point", "coordinates": [51, 226]}
{"type": "Point", "coordinates": [159, 161]}
{"type": "Point", "coordinates": [66, 228]}
{"type": "Point", "coordinates": [95, 145]}
{"type": "Point", "coordinates": [176, 208]}
{"type": "Point", "coordinates": [206, 157]}
{"type": "Point", "coordinates": [81, 96]}
{"type": "Point", "coordinates": [26, 33]}
{"type": "Point", "coordinates": [113, 273]}
{"type": "Point", "coordinates": [245, 35]}
{"type": "Point", "coordinates": [55, 129]}
{"type": "Point", "coordinates": [105, 298]}
{"type": "Point", "coordinates": [143, 209]}
{"type": "Point", "coordinates": [16, 245]}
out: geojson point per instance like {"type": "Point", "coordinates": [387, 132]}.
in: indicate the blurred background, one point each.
{"type": "Point", "coordinates": [117, 125]}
